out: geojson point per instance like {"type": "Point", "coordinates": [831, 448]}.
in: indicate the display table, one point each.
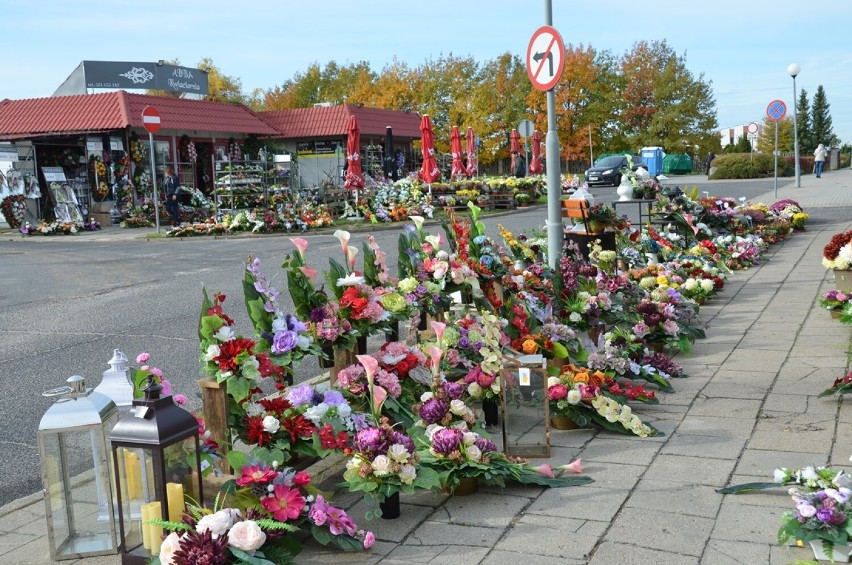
{"type": "Point", "coordinates": [607, 239]}
{"type": "Point", "coordinates": [643, 207]}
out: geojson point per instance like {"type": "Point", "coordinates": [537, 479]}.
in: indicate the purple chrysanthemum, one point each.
{"type": "Point", "coordinates": [485, 445]}
{"type": "Point", "coordinates": [433, 410]}
{"type": "Point", "coordinates": [402, 439]}
{"type": "Point", "coordinates": [371, 442]}
{"type": "Point", "coordinates": [453, 390]}
{"type": "Point", "coordinates": [446, 441]}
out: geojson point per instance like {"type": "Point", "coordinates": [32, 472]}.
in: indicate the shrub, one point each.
{"type": "Point", "coordinates": [750, 166]}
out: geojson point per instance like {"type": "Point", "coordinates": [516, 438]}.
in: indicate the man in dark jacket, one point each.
{"type": "Point", "coordinates": [519, 170]}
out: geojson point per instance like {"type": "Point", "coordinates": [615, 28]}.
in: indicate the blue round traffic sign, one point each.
{"type": "Point", "coordinates": [776, 110]}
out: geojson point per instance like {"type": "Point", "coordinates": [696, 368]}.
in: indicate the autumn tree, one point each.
{"type": "Point", "coordinates": [766, 141]}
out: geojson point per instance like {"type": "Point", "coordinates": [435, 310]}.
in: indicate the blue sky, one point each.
{"type": "Point", "coordinates": [742, 47]}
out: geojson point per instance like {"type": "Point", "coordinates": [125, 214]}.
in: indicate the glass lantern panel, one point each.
{"type": "Point", "coordinates": [525, 407]}
{"type": "Point", "coordinates": [78, 487]}
{"type": "Point", "coordinates": [136, 470]}
{"type": "Point", "coordinates": [180, 479]}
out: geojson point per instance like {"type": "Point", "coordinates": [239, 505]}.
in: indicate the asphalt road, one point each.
{"type": "Point", "coordinates": [66, 303]}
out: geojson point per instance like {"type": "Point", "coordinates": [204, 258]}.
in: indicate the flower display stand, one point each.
{"type": "Point", "coordinates": [214, 400]}
{"type": "Point", "coordinates": [838, 552]}
{"type": "Point", "coordinates": [467, 486]}
{"type": "Point", "coordinates": [390, 507]}
{"type": "Point", "coordinates": [843, 280]}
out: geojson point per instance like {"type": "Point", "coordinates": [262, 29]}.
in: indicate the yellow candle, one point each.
{"type": "Point", "coordinates": [133, 471]}
{"type": "Point", "coordinates": [174, 492]}
{"type": "Point", "coordinates": [155, 532]}
{"type": "Point", "coordinates": [146, 515]}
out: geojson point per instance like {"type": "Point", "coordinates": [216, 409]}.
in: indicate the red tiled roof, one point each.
{"type": "Point", "coordinates": [116, 110]}
{"type": "Point", "coordinates": [330, 121]}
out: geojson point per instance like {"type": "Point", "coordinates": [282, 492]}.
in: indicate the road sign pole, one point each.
{"type": "Point", "coordinates": [154, 180]}
{"type": "Point", "coordinates": [555, 237]}
{"type": "Point", "coordinates": [776, 160]}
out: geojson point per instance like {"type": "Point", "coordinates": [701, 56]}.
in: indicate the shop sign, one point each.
{"type": "Point", "coordinates": [53, 174]}
{"type": "Point", "coordinates": [8, 153]}
{"type": "Point", "coordinates": [94, 144]}
{"type": "Point", "coordinates": [317, 147]}
{"type": "Point", "coordinates": [113, 74]}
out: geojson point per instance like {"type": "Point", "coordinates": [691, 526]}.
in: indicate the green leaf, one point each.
{"type": "Point", "coordinates": [371, 271]}
{"type": "Point", "coordinates": [237, 459]}
{"type": "Point", "coordinates": [747, 487]}
{"type": "Point", "coordinates": [335, 271]}
{"type": "Point", "coordinates": [238, 387]}
{"type": "Point", "coordinates": [559, 350]}
{"type": "Point", "coordinates": [427, 478]}
{"type": "Point", "coordinates": [250, 559]}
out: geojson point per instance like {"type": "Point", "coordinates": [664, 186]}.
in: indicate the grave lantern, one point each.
{"type": "Point", "coordinates": [75, 470]}
{"type": "Point", "coordinates": [116, 382]}
{"type": "Point", "coordinates": [526, 431]}
{"type": "Point", "coordinates": [151, 456]}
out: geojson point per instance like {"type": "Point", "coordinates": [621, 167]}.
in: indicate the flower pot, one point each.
{"type": "Point", "coordinates": [489, 408]}
{"type": "Point", "coordinates": [835, 314]}
{"type": "Point", "coordinates": [392, 333]}
{"type": "Point", "coordinates": [594, 226]}
{"type": "Point", "coordinates": [838, 552]}
{"type": "Point", "coordinates": [467, 486]}
{"type": "Point", "coordinates": [361, 345]}
{"type": "Point", "coordinates": [327, 362]}
{"type": "Point", "coordinates": [843, 280]}
{"type": "Point", "coordinates": [342, 359]}
{"type": "Point", "coordinates": [657, 346]}
{"type": "Point", "coordinates": [390, 507]}
{"type": "Point", "coordinates": [563, 423]}
{"type": "Point", "coordinates": [649, 196]}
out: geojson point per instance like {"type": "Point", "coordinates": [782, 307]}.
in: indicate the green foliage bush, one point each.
{"type": "Point", "coordinates": [749, 166]}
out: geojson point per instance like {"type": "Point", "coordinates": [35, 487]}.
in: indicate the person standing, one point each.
{"type": "Point", "coordinates": [519, 170]}
{"type": "Point", "coordinates": [170, 185]}
{"type": "Point", "coordinates": [819, 160]}
{"type": "Point", "coordinates": [707, 162]}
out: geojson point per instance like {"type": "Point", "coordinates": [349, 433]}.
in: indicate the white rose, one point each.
{"type": "Point", "coordinates": [426, 396]}
{"type": "Point", "coordinates": [779, 475]}
{"type": "Point", "coordinates": [225, 333]}
{"type": "Point", "coordinates": [344, 410]}
{"type": "Point", "coordinates": [473, 453]}
{"type": "Point", "coordinates": [168, 548]}
{"type": "Point", "coordinates": [381, 465]}
{"type": "Point", "coordinates": [552, 381]}
{"type": "Point", "coordinates": [470, 438]}
{"type": "Point", "coordinates": [279, 325]}
{"type": "Point", "coordinates": [432, 428]}
{"type": "Point", "coordinates": [218, 523]}
{"type": "Point", "coordinates": [458, 407]}
{"type": "Point", "coordinates": [475, 391]}
{"type": "Point", "coordinates": [246, 535]}
{"type": "Point", "coordinates": [706, 285]}
{"type": "Point", "coordinates": [407, 474]}
{"type": "Point", "coordinates": [574, 397]}
{"type": "Point", "coordinates": [809, 474]}
{"type": "Point", "coordinates": [213, 351]}
{"type": "Point", "coordinates": [398, 452]}
{"type": "Point", "coordinates": [271, 424]}
{"type": "Point", "coordinates": [316, 413]}
{"type": "Point", "coordinates": [575, 317]}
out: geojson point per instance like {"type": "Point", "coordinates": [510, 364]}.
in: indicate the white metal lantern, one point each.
{"type": "Point", "coordinates": [75, 469]}
{"type": "Point", "coordinates": [116, 382]}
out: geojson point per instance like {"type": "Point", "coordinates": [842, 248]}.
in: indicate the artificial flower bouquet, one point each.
{"type": "Point", "coordinates": [593, 397]}
{"type": "Point", "coordinates": [423, 269]}
{"type": "Point", "coordinates": [384, 462]}
{"type": "Point", "coordinates": [834, 300]}
{"type": "Point", "coordinates": [821, 517]}
{"type": "Point", "coordinates": [806, 479]}
{"type": "Point", "coordinates": [620, 353]}
{"type": "Point", "coordinates": [457, 453]}
{"type": "Point", "coordinates": [837, 254]}
{"type": "Point", "coordinates": [840, 386]}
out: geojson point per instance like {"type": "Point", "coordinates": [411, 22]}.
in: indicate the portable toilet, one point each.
{"type": "Point", "coordinates": [653, 159]}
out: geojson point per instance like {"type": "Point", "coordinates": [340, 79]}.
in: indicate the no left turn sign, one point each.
{"type": "Point", "coordinates": [545, 56]}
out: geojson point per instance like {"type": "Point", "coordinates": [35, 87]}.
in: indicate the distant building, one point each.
{"type": "Point", "coordinates": [732, 135]}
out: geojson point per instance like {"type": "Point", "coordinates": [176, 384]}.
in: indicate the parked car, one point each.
{"type": "Point", "coordinates": [607, 170]}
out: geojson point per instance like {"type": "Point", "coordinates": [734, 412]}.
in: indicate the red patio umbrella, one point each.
{"type": "Point", "coordinates": [515, 147]}
{"type": "Point", "coordinates": [536, 168]}
{"type": "Point", "coordinates": [429, 170]}
{"type": "Point", "coordinates": [354, 178]}
{"type": "Point", "coordinates": [472, 166]}
{"type": "Point", "coordinates": [455, 148]}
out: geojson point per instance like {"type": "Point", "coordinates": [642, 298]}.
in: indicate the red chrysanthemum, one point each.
{"type": "Point", "coordinates": [229, 350]}
{"type": "Point", "coordinates": [277, 405]}
{"type": "Point", "coordinates": [299, 427]}
{"type": "Point", "coordinates": [256, 434]}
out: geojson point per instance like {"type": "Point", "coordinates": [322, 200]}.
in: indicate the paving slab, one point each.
{"type": "Point", "coordinates": [568, 538]}
{"type": "Point", "coordinates": [612, 553]}
{"type": "Point", "coordinates": [664, 531]}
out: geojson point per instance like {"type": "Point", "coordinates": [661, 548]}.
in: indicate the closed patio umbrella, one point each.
{"type": "Point", "coordinates": [472, 165]}
{"type": "Point", "coordinates": [455, 148]}
{"type": "Point", "coordinates": [429, 169]}
{"type": "Point", "coordinates": [514, 147]}
{"type": "Point", "coordinates": [354, 177]}
{"type": "Point", "coordinates": [536, 168]}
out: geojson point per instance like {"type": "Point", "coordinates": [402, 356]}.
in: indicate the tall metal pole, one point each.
{"type": "Point", "coordinates": [591, 150]}
{"type": "Point", "coordinates": [793, 70]}
{"type": "Point", "coordinates": [154, 181]}
{"type": "Point", "coordinates": [554, 172]}
{"type": "Point", "coordinates": [776, 160]}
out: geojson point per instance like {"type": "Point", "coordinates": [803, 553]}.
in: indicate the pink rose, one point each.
{"type": "Point", "coordinates": [557, 392]}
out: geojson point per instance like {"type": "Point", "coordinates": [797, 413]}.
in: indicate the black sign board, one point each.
{"type": "Point", "coordinates": [110, 74]}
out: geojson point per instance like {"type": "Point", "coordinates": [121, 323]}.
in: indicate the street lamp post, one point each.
{"type": "Point", "coordinates": [793, 70]}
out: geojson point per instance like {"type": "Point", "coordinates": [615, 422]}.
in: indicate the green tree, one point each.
{"type": "Point", "coordinates": [821, 122]}
{"type": "Point", "coordinates": [803, 125]}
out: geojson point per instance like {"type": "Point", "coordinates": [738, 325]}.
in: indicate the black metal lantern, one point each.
{"type": "Point", "coordinates": [152, 468]}
{"type": "Point", "coordinates": [72, 440]}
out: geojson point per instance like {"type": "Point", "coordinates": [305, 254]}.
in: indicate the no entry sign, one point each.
{"type": "Point", "coordinates": [545, 56]}
{"type": "Point", "coordinates": [151, 119]}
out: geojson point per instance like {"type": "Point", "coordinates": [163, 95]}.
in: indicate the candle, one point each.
{"type": "Point", "coordinates": [174, 492]}
{"type": "Point", "coordinates": [146, 515]}
{"type": "Point", "coordinates": [133, 472]}
{"type": "Point", "coordinates": [155, 532]}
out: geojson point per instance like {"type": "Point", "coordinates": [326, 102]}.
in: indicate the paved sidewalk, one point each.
{"type": "Point", "coordinates": [749, 405]}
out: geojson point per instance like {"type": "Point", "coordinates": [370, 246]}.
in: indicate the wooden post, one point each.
{"type": "Point", "coordinates": [214, 399]}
